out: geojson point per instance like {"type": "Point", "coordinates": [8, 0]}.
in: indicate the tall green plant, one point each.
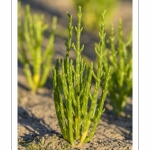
{"type": "Point", "coordinates": [120, 60]}
{"type": "Point", "coordinates": [30, 54]}
{"type": "Point", "coordinates": [72, 89]}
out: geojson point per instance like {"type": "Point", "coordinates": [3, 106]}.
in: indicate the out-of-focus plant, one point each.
{"type": "Point", "coordinates": [36, 61]}
{"type": "Point", "coordinates": [79, 109]}
{"type": "Point", "coordinates": [92, 10]}
{"type": "Point", "coordinates": [119, 58]}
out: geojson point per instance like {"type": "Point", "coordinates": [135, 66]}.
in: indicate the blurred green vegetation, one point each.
{"type": "Point", "coordinates": [92, 10]}
{"type": "Point", "coordinates": [36, 61]}
{"type": "Point", "coordinates": [119, 58]}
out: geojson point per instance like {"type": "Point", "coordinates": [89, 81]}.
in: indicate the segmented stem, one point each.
{"type": "Point", "coordinates": [74, 85]}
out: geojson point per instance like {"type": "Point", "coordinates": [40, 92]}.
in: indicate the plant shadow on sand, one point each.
{"type": "Point", "coordinates": [37, 129]}
{"type": "Point", "coordinates": [35, 126]}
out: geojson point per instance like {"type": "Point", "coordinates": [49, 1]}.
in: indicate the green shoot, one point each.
{"type": "Point", "coordinates": [79, 109]}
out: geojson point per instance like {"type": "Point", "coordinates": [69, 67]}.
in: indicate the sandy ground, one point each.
{"type": "Point", "coordinates": [37, 122]}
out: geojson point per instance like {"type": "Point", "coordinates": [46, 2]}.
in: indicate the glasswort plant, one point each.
{"type": "Point", "coordinates": [120, 60]}
{"type": "Point", "coordinates": [30, 37]}
{"type": "Point", "coordinates": [72, 89]}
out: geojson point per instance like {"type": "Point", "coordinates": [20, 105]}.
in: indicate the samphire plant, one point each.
{"type": "Point", "coordinates": [92, 10]}
{"type": "Point", "coordinates": [36, 61]}
{"type": "Point", "coordinates": [79, 109]}
{"type": "Point", "coordinates": [119, 58]}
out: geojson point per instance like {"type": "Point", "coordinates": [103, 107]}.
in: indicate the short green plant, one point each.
{"type": "Point", "coordinates": [30, 54]}
{"type": "Point", "coordinates": [79, 109]}
{"type": "Point", "coordinates": [120, 60]}
{"type": "Point", "coordinates": [92, 10]}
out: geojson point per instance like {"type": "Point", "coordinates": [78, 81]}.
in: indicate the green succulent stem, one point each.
{"type": "Point", "coordinates": [72, 89]}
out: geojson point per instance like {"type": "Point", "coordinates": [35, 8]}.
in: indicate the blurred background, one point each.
{"type": "Point", "coordinates": [91, 11]}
